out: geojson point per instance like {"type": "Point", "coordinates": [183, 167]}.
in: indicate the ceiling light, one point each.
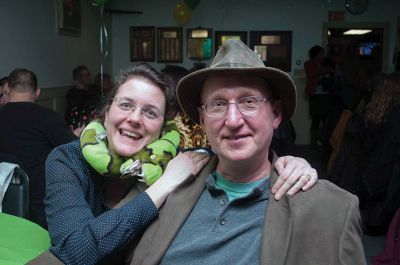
{"type": "Point", "coordinates": [356, 31]}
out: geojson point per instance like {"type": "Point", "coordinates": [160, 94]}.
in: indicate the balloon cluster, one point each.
{"type": "Point", "coordinates": [183, 11]}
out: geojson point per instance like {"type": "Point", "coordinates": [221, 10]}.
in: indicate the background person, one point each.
{"type": "Point", "coordinates": [103, 83]}
{"type": "Point", "coordinates": [379, 188]}
{"type": "Point", "coordinates": [4, 91]}
{"type": "Point", "coordinates": [192, 135]}
{"type": "Point", "coordinates": [319, 100]}
{"type": "Point", "coordinates": [81, 99]}
{"type": "Point", "coordinates": [30, 134]}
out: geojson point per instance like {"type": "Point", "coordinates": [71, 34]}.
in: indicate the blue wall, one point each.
{"type": "Point", "coordinates": [29, 39]}
{"type": "Point", "coordinates": [304, 17]}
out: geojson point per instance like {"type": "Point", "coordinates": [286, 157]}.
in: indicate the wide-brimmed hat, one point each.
{"type": "Point", "coordinates": [235, 57]}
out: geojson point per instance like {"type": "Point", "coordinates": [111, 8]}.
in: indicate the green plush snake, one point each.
{"type": "Point", "coordinates": [148, 165]}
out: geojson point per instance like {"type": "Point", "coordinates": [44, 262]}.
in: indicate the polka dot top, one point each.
{"type": "Point", "coordinates": [81, 229]}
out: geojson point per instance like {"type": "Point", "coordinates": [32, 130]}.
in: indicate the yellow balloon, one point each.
{"type": "Point", "coordinates": [182, 14]}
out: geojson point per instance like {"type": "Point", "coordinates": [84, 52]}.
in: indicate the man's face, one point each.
{"type": "Point", "coordinates": [85, 78]}
{"type": "Point", "coordinates": [235, 137]}
{"type": "Point", "coordinates": [4, 94]}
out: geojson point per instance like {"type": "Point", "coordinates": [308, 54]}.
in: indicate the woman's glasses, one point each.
{"type": "Point", "coordinates": [128, 105]}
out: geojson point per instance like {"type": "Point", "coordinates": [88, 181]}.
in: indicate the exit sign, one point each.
{"type": "Point", "coordinates": [336, 15]}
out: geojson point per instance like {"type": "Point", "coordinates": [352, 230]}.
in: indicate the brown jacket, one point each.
{"type": "Point", "coordinates": [320, 226]}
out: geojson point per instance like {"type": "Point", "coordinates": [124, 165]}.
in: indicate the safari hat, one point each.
{"type": "Point", "coordinates": [235, 57]}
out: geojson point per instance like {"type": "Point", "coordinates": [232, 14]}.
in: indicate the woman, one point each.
{"type": "Point", "coordinates": [82, 226]}
{"type": "Point", "coordinates": [379, 187]}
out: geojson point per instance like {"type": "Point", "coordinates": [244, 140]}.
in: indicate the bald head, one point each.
{"type": "Point", "coordinates": [22, 80]}
{"type": "Point", "coordinates": [23, 86]}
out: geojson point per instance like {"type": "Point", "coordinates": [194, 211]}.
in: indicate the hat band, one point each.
{"type": "Point", "coordinates": [234, 65]}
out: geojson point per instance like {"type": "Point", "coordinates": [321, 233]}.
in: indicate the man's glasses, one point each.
{"type": "Point", "coordinates": [248, 106]}
{"type": "Point", "coordinates": [127, 105]}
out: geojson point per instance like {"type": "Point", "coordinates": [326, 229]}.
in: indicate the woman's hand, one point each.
{"type": "Point", "coordinates": [179, 169]}
{"type": "Point", "coordinates": [183, 166]}
{"type": "Point", "coordinates": [295, 173]}
{"type": "Point", "coordinates": [78, 131]}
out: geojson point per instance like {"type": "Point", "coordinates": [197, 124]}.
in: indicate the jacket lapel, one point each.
{"type": "Point", "coordinates": [162, 232]}
{"type": "Point", "coordinates": [277, 227]}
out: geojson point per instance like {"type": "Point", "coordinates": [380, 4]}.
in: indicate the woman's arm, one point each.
{"type": "Point", "coordinates": [295, 173]}
{"type": "Point", "coordinates": [178, 170]}
{"type": "Point", "coordinates": [82, 232]}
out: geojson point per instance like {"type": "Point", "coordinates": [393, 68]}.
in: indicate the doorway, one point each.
{"type": "Point", "coordinates": [365, 47]}
{"type": "Point", "coordinates": [360, 58]}
{"type": "Point", "coordinates": [371, 48]}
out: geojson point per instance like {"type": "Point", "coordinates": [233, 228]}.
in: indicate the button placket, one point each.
{"type": "Point", "coordinates": [222, 202]}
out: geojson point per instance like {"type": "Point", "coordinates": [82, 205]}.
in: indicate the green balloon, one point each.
{"type": "Point", "coordinates": [182, 13]}
{"type": "Point", "coordinates": [192, 3]}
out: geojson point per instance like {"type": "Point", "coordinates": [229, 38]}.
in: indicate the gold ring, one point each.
{"type": "Point", "coordinates": [308, 177]}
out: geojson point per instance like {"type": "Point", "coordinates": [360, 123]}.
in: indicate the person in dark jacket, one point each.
{"type": "Point", "coordinates": [81, 99]}
{"type": "Point", "coordinates": [30, 134]}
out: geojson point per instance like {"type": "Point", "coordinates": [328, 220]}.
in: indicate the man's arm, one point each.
{"type": "Point", "coordinates": [351, 250]}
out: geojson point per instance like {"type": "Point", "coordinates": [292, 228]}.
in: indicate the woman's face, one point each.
{"type": "Point", "coordinates": [129, 129]}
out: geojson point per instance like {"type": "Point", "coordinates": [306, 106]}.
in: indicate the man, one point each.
{"type": "Point", "coordinates": [81, 99]}
{"type": "Point", "coordinates": [227, 215]}
{"type": "Point", "coordinates": [30, 133]}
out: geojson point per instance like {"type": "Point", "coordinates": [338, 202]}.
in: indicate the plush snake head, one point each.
{"type": "Point", "coordinates": [93, 144]}
{"type": "Point", "coordinates": [148, 165]}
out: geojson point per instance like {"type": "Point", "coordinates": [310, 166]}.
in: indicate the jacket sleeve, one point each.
{"type": "Point", "coordinates": [351, 250]}
{"type": "Point", "coordinates": [80, 232]}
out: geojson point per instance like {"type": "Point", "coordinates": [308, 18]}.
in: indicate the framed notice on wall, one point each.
{"type": "Point", "coordinates": [142, 44]}
{"type": "Point", "coordinates": [199, 43]}
{"type": "Point", "coordinates": [273, 47]}
{"type": "Point", "coordinates": [169, 45]}
{"type": "Point", "coordinates": [222, 36]}
{"type": "Point", "coordinates": [69, 17]}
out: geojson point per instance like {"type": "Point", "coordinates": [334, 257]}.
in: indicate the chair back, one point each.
{"type": "Point", "coordinates": [16, 198]}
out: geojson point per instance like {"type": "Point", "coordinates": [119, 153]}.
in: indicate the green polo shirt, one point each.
{"type": "Point", "coordinates": [233, 189]}
{"type": "Point", "coordinates": [222, 228]}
